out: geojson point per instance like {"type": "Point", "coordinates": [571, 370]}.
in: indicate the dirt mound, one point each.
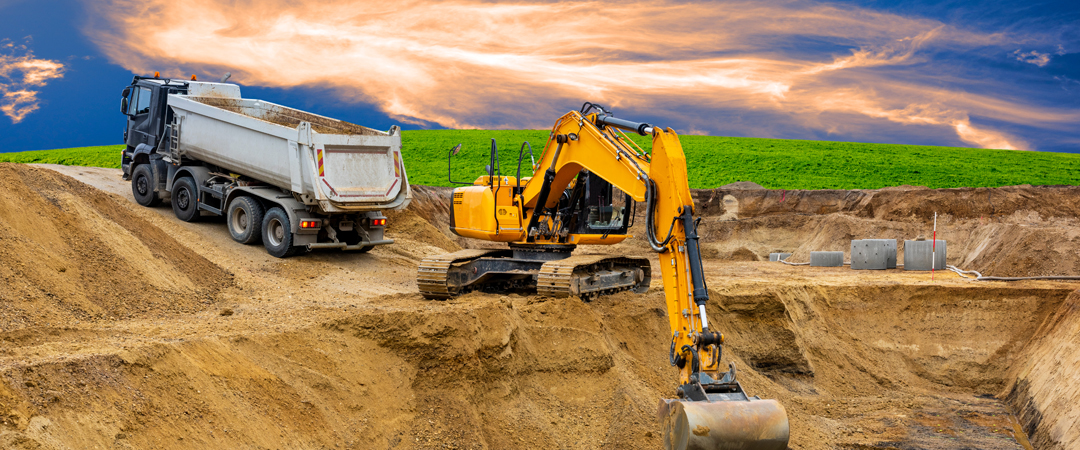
{"type": "Point", "coordinates": [70, 253]}
{"type": "Point", "coordinates": [420, 221]}
{"type": "Point", "coordinates": [983, 227]}
{"type": "Point", "coordinates": [899, 203]}
{"type": "Point", "coordinates": [334, 350]}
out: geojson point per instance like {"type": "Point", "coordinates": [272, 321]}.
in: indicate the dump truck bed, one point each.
{"type": "Point", "coordinates": [341, 166]}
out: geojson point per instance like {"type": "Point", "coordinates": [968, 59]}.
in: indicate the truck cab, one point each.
{"type": "Point", "coordinates": [145, 103]}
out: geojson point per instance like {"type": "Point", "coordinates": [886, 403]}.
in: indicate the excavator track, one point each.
{"type": "Point", "coordinates": [433, 274]}
{"type": "Point", "coordinates": [589, 276]}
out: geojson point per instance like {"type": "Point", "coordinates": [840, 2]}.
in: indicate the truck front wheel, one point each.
{"type": "Point", "coordinates": [185, 199]}
{"type": "Point", "coordinates": [277, 233]}
{"type": "Point", "coordinates": [245, 218]}
{"type": "Point", "coordinates": [142, 186]}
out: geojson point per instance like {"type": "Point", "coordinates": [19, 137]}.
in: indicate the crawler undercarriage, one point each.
{"type": "Point", "coordinates": [549, 270]}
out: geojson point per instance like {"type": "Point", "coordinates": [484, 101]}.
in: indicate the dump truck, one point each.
{"type": "Point", "coordinates": [294, 180]}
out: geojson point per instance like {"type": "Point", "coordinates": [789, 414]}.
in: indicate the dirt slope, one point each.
{"type": "Point", "coordinates": [69, 252]}
{"type": "Point", "coordinates": [336, 350]}
{"type": "Point", "coordinates": [1045, 390]}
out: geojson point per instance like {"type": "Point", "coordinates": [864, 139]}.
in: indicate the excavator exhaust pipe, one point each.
{"type": "Point", "coordinates": [752, 424]}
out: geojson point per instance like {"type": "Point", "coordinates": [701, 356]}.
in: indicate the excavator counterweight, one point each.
{"type": "Point", "coordinates": [587, 184]}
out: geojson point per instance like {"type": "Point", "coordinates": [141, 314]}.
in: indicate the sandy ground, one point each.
{"type": "Point", "coordinates": [123, 327]}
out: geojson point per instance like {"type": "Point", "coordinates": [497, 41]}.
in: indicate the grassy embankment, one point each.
{"type": "Point", "coordinates": [102, 156]}
{"type": "Point", "coordinates": [715, 161]}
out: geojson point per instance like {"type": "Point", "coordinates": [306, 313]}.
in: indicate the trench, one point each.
{"type": "Point", "coordinates": [857, 365]}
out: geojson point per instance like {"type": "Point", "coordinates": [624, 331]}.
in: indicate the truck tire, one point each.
{"type": "Point", "coordinates": [142, 186]}
{"type": "Point", "coordinates": [277, 233]}
{"type": "Point", "coordinates": [244, 218]}
{"type": "Point", "coordinates": [185, 200]}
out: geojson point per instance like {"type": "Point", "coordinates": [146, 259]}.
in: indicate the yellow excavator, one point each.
{"type": "Point", "coordinates": [594, 175]}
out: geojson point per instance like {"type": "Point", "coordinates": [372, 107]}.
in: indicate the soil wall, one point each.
{"type": "Point", "coordinates": [1045, 386]}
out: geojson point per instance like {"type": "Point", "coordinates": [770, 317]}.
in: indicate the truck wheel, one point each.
{"type": "Point", "coordinates": [142, 186]}
{"type": "Point", "coordinates": [277, 233]}
{"type": "Point", "coordinates": [245, 217]}
{"type": "Point", "coordinates": [185, 200]}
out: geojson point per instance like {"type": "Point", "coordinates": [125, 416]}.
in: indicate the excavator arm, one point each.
{"type": "Point", "coordinates": [712, 410]}
{"type": "Point", "coordinates": [570, 201]}
{"type": "Point", "coordinates": [579, 143]}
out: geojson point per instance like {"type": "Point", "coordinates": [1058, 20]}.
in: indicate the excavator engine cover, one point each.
{"type": "Point", "coordinates": [752, 424]}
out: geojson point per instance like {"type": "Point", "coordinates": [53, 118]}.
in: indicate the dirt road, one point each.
{"type": "Point", "coordinates": [123, 327]}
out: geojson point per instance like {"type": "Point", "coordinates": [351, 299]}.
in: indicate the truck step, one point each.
{"type": "Point", "coordinates": [205, 207]}
{"type": "Point", "coordinates": [217, 190]}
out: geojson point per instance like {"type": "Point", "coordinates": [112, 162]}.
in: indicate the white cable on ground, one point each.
{"type": "Point", "coordinates": [980, 277]}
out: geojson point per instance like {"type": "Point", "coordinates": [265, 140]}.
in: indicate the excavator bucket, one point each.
{"type": "Point", "coordinates": [751, 424]}
{"type": "Point", "coordinates": [718, 415]}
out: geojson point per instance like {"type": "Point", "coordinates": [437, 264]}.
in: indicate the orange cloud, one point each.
{"type": "Point", "coordinates": [472, 63]}
{"type": "Point", "coordinates": [18, 75]}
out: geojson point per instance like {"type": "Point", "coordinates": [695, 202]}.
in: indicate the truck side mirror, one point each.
{"type": "Point", "coordinates": [124, 100]}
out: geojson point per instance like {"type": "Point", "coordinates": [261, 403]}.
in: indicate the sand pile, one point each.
{"type": "Point", "coordinates": [69, 252]}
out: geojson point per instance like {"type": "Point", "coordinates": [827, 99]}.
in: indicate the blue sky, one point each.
{"type": "Point", "coordinates": [955, 73]}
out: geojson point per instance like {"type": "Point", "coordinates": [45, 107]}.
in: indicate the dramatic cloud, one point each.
{"type": "Point", "coordinates": [19, 76]}
{"type": "Point", "coordinates": [751, 68]}
{"type": "Point", "coordinates": [1033, 57]}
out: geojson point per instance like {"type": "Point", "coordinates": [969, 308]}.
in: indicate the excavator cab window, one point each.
{"type": "Point", "coordinates": [604, 209]}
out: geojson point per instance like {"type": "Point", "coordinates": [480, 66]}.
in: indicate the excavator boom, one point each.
{"type": "Point", "coordinates": [587, 183]}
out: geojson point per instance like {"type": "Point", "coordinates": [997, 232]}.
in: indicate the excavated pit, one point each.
{"type": "Point", "coordinates": [336, 350]}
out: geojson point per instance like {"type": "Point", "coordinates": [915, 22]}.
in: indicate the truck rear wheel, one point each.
{"type": "Point", "coordinates": [245, 217]}
{"type": "Point", "coordinates": [277, 233]}
{"type": "Point", "coordinates": [185, 199]}
{"type": "Point", "coordinates": [142, 186]}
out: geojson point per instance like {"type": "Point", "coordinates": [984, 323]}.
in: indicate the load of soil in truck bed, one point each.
{"type": "Point", "coordinates": [289, 117]}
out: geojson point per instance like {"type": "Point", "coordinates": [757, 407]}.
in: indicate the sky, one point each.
{"type": "Point", "coordinates": [986, 73]}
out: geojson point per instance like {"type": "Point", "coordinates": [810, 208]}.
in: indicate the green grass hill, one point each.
{"type": "Point", "coordinates": [713, 161]}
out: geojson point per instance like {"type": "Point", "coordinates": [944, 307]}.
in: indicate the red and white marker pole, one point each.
{"type": "Point", "coordinates": [933, 250]}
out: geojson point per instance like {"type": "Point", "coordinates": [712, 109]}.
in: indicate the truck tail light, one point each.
{"type": "Point", "coordinates": [378, 222]}
{"type": "Point", "coordinates": [310, 223]}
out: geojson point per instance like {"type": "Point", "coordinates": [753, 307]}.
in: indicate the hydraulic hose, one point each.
{"type": "Point", "coordinates": [650, 214]}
